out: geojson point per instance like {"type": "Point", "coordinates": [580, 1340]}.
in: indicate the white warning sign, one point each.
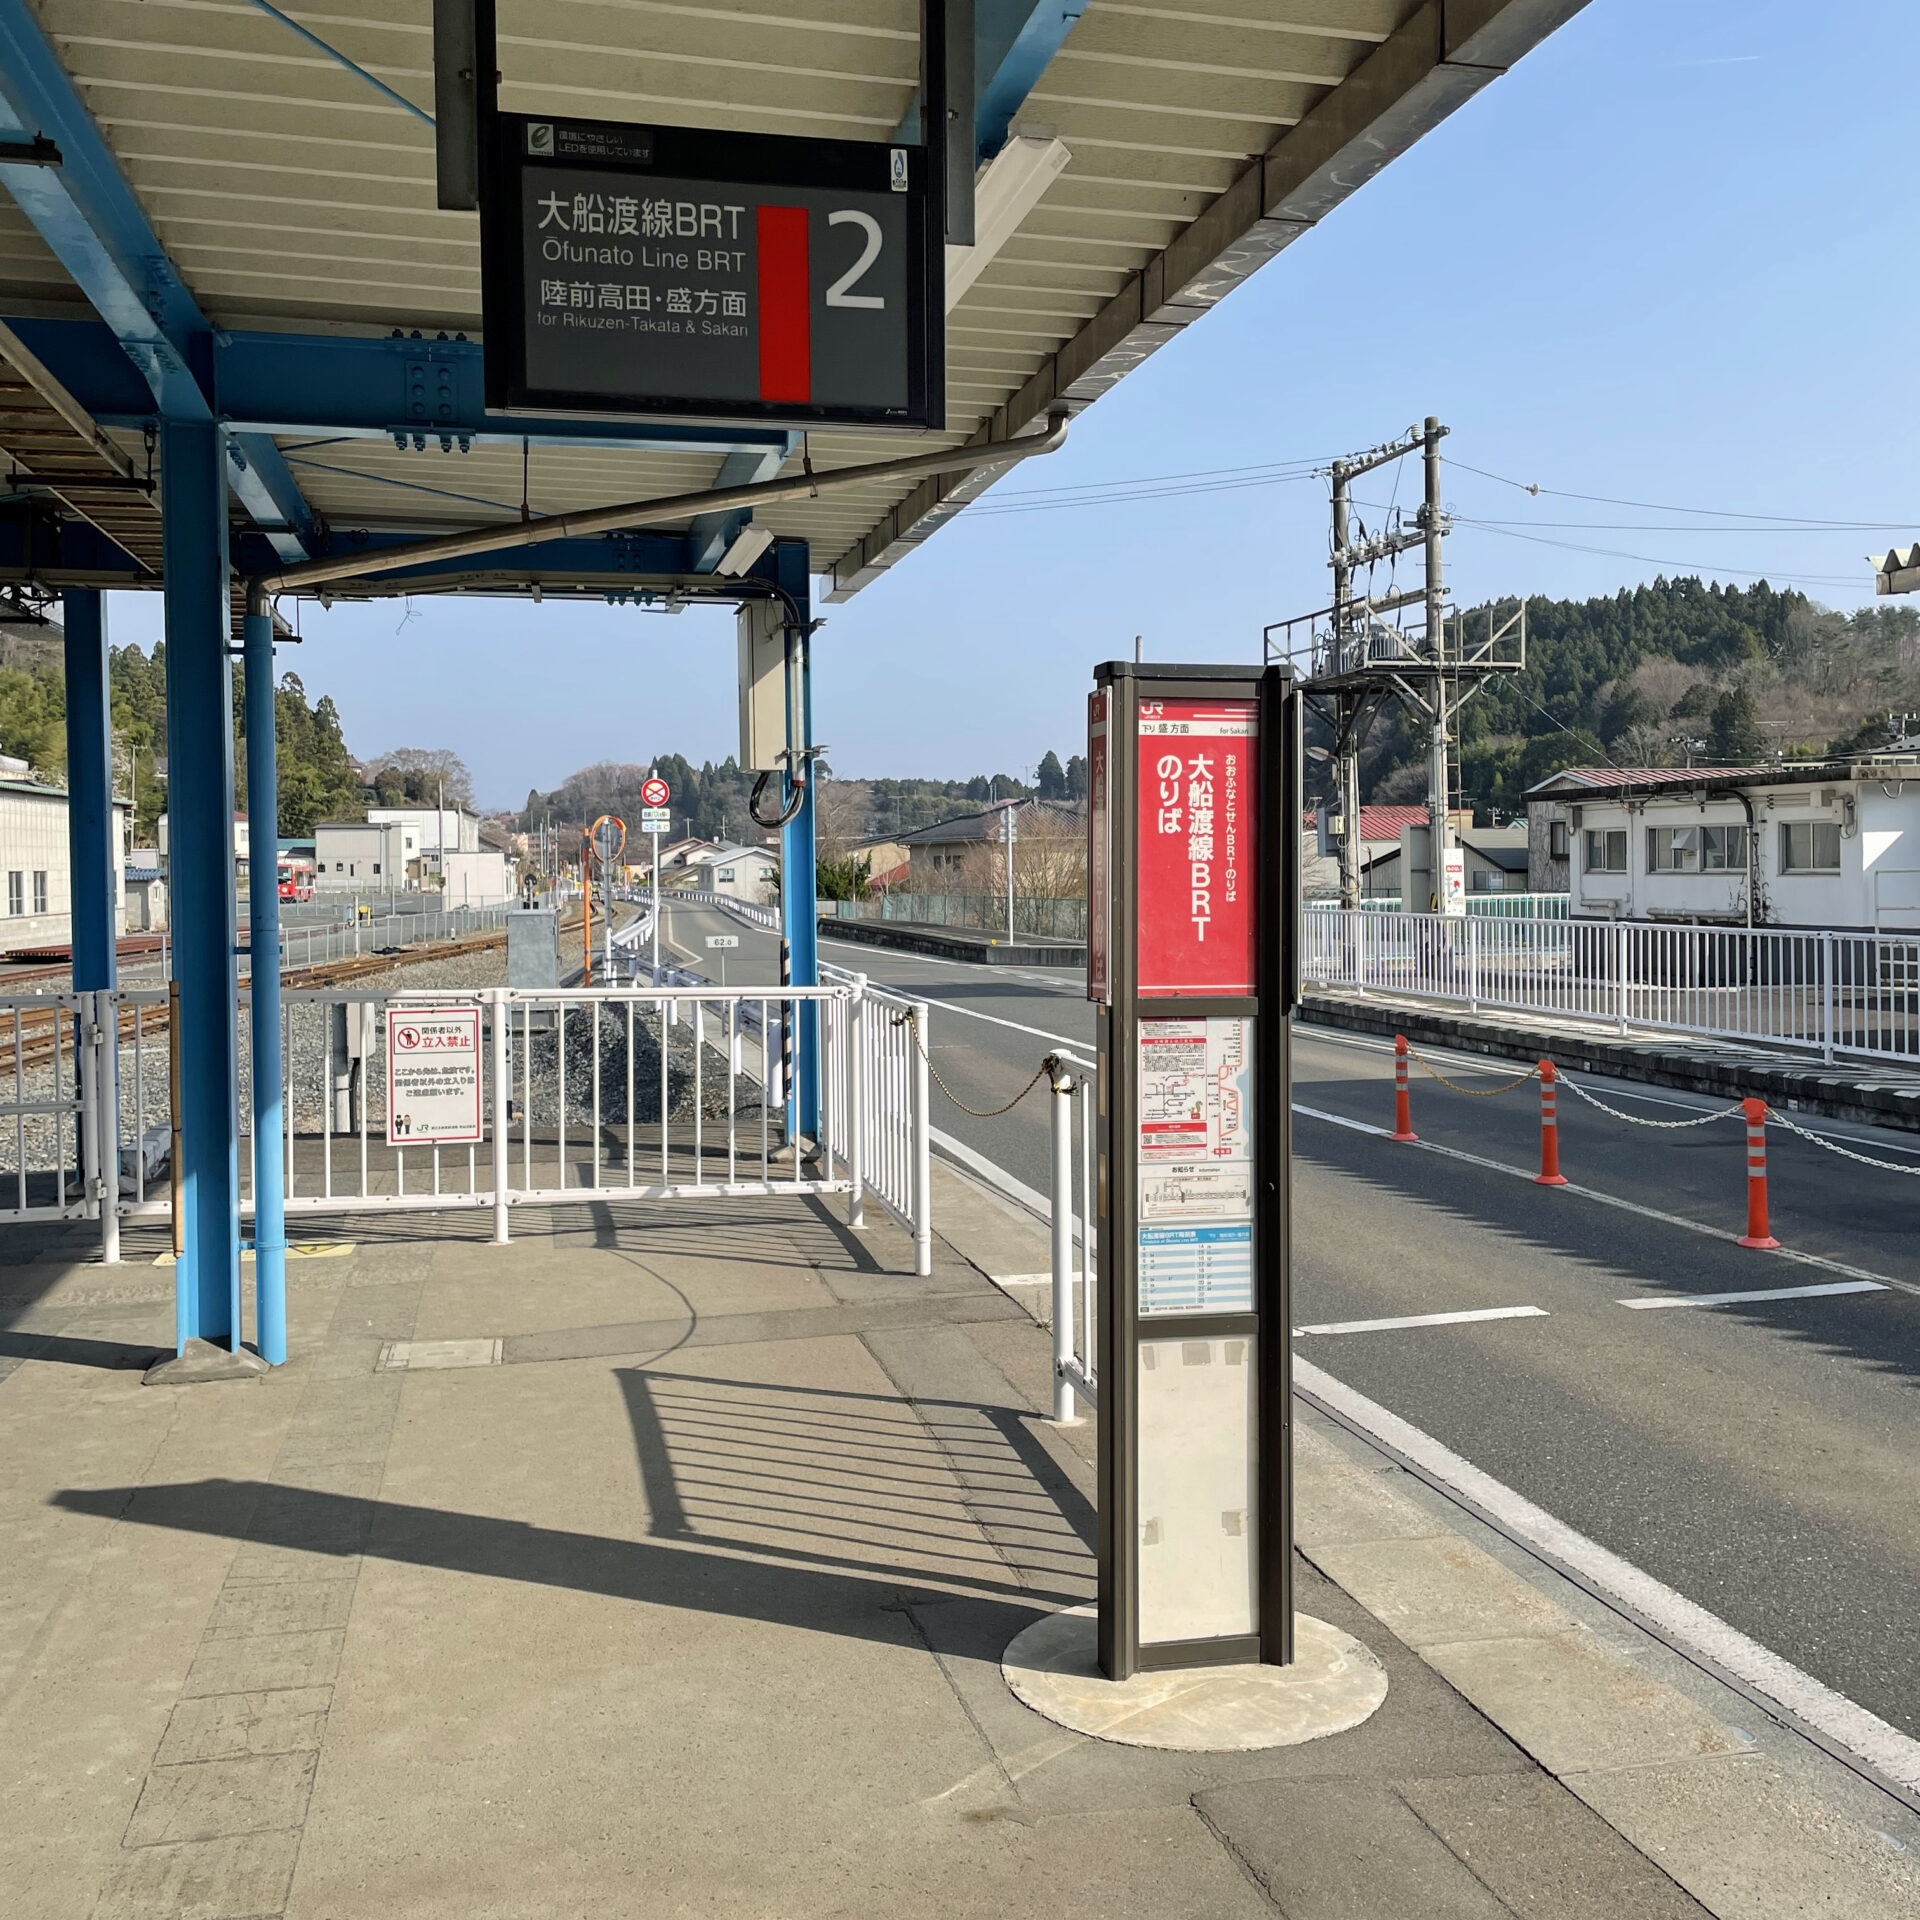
{"type": "Point", "coordinates": [433, 1075]}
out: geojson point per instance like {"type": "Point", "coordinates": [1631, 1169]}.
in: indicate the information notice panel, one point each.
{"type": "Point", "coordinates": [433, 1075]}
{"type": "Point", "coordinates": [674, 270]}
{"type": "Point", "coordinates": [1195, 1180]}
{"type": "Point", "coordinates": [1194, 836]}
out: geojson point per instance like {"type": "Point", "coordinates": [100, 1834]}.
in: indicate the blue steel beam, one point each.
{"type": "Point", "coordinates": [1013, 41]}
{"type": "Point", "coordinates": [709, 535]}
{"type": "Point", "coordinates": [425, 389]}
{"type": "Point", "coordinates": [193, 523]}
{"type": "Point", "coordinates": [799, 924]}
{"type": "Point", "coordinates": [258, 472]}
{"type": "Point", "coordinates": [91, 219]}
{"type": "Point", "coordinates": [87, 213]}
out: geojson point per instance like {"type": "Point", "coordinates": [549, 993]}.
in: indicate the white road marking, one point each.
{"type": "Point", "coordinates": [1686, 1624]}
{"type": "Point", "coordinates": [1429, 1320]}
{"type": "Point", "coordinates": [1765, 1293]}
{"type": "Point", "coordinates": [1608, 1200]}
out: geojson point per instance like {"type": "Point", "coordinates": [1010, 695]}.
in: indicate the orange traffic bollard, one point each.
{"type": "Point", "coordinates": [1402, 1107]}
{"type": "Point", "coordinates": [1549, 1174]}
{"type": "Point", "coordinates": [1756, 1234]}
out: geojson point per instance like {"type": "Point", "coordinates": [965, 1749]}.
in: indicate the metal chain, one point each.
{"type": "Point", "coordinates": [1820, 1140]}
{"type": "Point", "coordinates": [1635, 1120]}
{"type": "Point", "coordinates": [908, 1019]}
{"type": "Point", "coordinates": [1473, 1093]}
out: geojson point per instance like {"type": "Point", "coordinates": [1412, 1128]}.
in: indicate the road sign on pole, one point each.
{"type": "Point", "coordinates": [655, 792]}
{"type": "Point", "coordinates": [655, 820]}
{"type": "Point", "coordinates": [1196, 884]}
{"type": "Point", "coordinates": [723, 943]}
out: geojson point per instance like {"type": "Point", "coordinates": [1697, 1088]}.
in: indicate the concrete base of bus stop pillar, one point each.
{"type": "Point", "coordinates": [1332, 1685]}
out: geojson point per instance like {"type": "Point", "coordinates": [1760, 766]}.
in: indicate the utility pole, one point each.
{"type": "Point", "coordinates": [1346, 749]}
{"type": "Point", "coordinates": [1351, 667]}
{"type": "Point", "coordinates": [1432, 527]}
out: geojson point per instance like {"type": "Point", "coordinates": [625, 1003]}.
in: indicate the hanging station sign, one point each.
{"type": "Point", "coordinates": [1194, 797]}
{"type": "Point", "coordinates": [636, 270]}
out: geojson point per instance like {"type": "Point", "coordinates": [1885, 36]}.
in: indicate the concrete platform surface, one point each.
{"type": "Point", "coordinates": [662, 1564]}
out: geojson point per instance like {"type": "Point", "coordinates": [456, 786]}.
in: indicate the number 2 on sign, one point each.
{"type": "Point", "coordinates": [838, 295]}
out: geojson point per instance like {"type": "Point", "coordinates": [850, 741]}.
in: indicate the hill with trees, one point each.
{"type": "Point", "coordinates": [1672, 673]}
{"type": "Point", "coordinates": [318, 778]}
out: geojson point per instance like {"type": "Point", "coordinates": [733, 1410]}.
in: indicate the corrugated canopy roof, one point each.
{"type": "Point", "coordinates": [292, 195]}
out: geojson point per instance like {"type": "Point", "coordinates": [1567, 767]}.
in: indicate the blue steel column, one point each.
{"type": "Point", "coordinates": [89, 792]}
{"type": "Point", "coordinates": [263, 915]}
{"type": "Point", "coordinates": [193, 508]}
{"type": "Point", "coordinates": [797, 888]}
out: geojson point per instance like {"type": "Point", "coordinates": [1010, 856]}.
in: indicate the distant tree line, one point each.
{"type": "Point", "coordinates": [318, 779]}
{"type": "Point", "coordinates": [1672, 673]}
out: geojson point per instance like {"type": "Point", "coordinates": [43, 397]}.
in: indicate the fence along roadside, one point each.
{"type": "Point", "coordinates": [1824, 990]}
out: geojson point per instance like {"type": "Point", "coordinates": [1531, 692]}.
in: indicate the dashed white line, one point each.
{"type": "Point", "coordinates": [1429, 1320]}
{"type": "Point", "coordinates": [1607, 1199]}
{"type": "Point", "coordinates": [1763, 1293]}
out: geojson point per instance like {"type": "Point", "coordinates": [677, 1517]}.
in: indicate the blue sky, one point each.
{"type": "Point", "coordinates": [1664, 260]}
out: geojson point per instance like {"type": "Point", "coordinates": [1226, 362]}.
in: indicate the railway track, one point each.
{"type": "Point", "coordinates": [31, 1038]}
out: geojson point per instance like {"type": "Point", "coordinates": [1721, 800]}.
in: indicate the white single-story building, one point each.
{"type": "Point", "coordinates": [742, 873]}
{"type": "Point", "coordinates": [34, 868]}
{"type": "Point", "coordinates": [482, 877]}
{"type": "Point", "coordinates": [428, 835]}
{"type": "Point", "coordinates": [368, 856]}
{"type": "Point", "coordinates": [1829, 844]}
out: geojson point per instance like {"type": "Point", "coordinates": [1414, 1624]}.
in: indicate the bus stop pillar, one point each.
{"type": "Point", "coordinates": [90, 889]}
{"type": "Point", "coordinates": [193, 508]}
{"type": "Point", "coordinates": [263, 916]}
{"type": "Point", "coordinates": [89, 791]}
{"type": "Point", "coordinates": [799, 925]}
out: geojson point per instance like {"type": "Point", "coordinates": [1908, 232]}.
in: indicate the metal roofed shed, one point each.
{"type": "Point", "coordinates": [240, 281]}
{"type": "Point", "coordinates": [1817, 845]}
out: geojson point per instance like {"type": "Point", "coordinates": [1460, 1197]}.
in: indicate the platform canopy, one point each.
{"type": "Point", "coordinates": [242, 219]}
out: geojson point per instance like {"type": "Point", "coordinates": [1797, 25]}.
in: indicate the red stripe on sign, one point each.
{"type": "Point", "coordinates": [786, 345]}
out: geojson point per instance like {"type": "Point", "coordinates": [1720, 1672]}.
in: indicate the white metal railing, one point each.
{"type": "Point", "coordinates": [884, 1101]}
{"type": "Point", "coordinates": [660, 1091]}
{"type": "Point", "coordinates": [1073, 1105]}
{"type": "Point", "coordinates": [746, 910]}
{"type": "Point", "coordinates": [1830, 991]}
{"type": "Point", "coordinates": [49, 1131]}
{"type": "Point", "coordinates": [306, 943]}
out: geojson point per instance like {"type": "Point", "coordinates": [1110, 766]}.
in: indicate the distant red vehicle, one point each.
{"type": "Point", "coordinates": [296, 879]}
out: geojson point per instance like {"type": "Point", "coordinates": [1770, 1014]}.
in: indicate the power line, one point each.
{"type": "Point", "coordinates": [1656, 560]}
{"type": "Point", "coordinates": [1657, 506]}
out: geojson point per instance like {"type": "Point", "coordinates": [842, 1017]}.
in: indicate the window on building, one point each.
{"type": "Point", "coordinates": [1556, 839]}
{"type": "Point", "coordinates": [1723, 849]}
{"type": "Point", "coordinates": [376, 866]}
{"type": "Point", "coordinates": [39, 890]}
{"type": "Point", "coordinates": [16, 894]}
{"type": "Point", "coordinates": [728, 874]}
{"type": "Point", "coordinates": [1606, 850]}
{"type": "Point", "coordinates": [1810, 846]}
{"type": "Point", "coordinates": [1673, 849]}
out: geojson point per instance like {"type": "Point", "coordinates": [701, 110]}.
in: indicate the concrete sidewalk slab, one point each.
{"type": "Point", "coordinates": [694, 1603]}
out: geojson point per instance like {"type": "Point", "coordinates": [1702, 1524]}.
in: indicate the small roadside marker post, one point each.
{"type": "Point", "coordinates": [1549, 1174]}
{"type": "Point", "coordinates": [1402, 1102]}
{"type": "Point", "coordinates": [1756, 1235]}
